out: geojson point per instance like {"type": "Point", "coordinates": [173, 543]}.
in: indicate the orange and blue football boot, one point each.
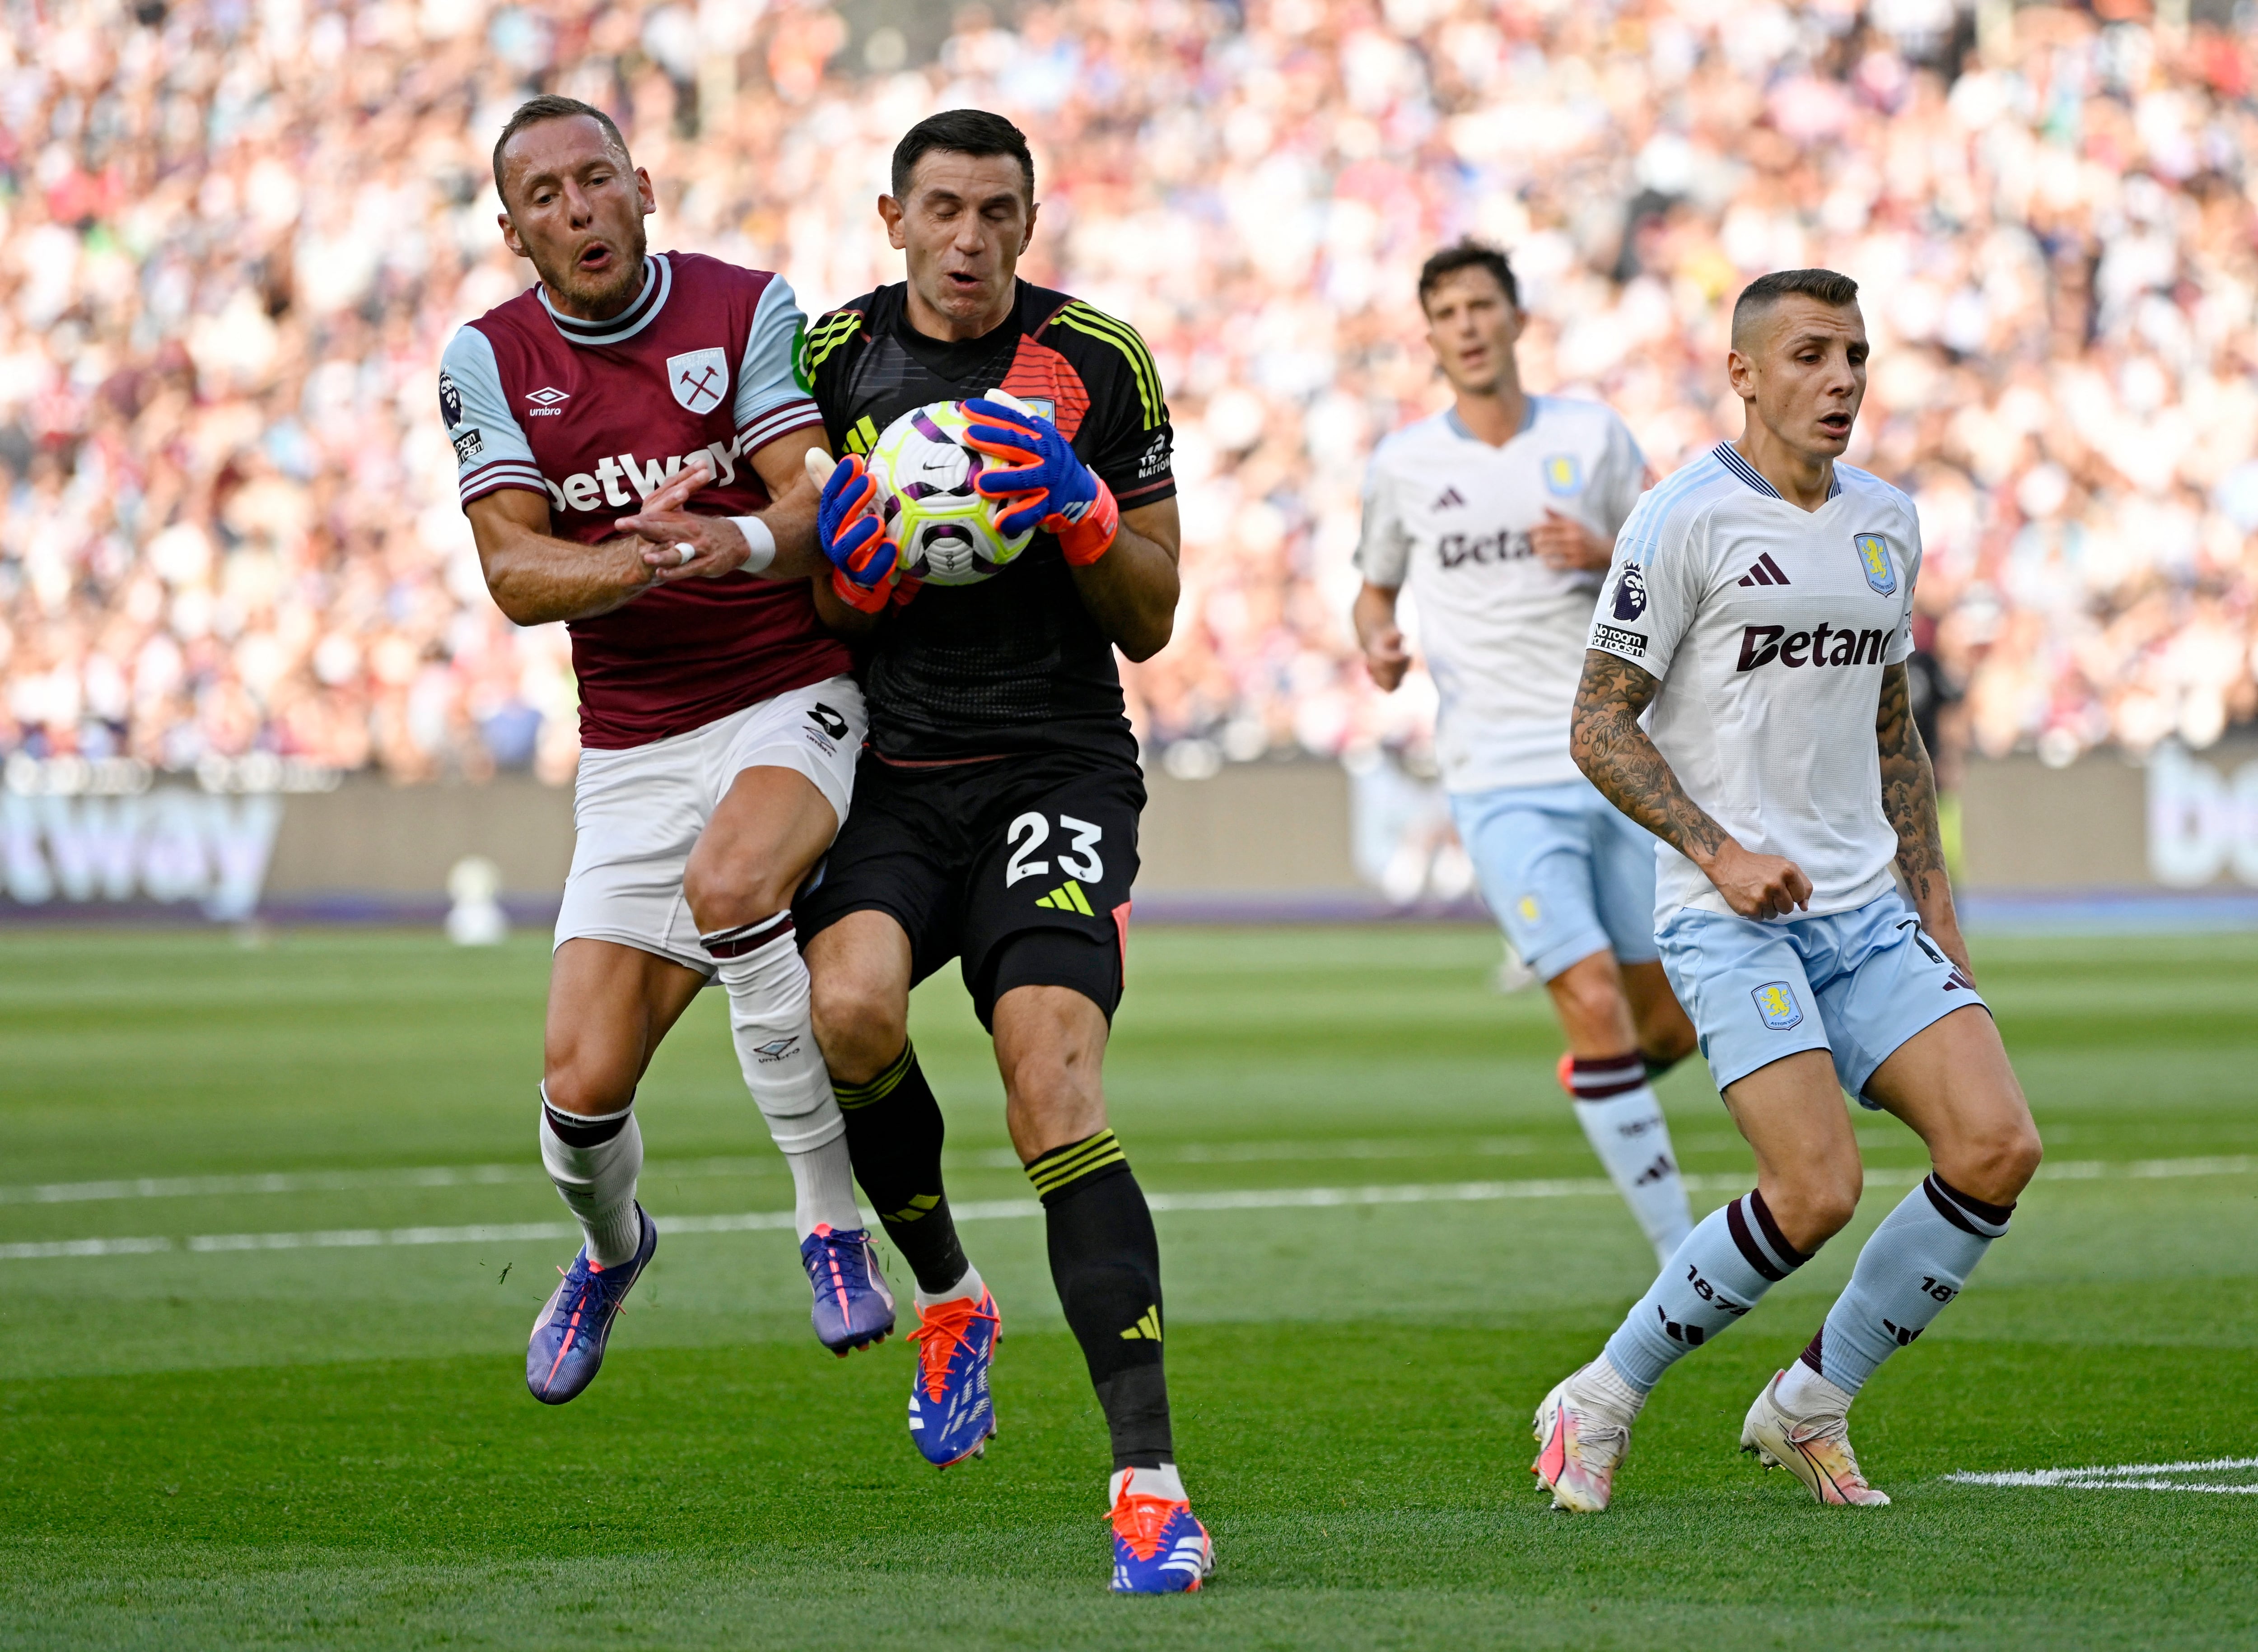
{"type": "Point", "coordinates": [567, 1349]}
{"type": "Point", "coordinates": [1158, 1548]}
{"type": "Point", "coordinates": [852, 1307]}
{"type": "Point", "coordinates": [952, 1414]}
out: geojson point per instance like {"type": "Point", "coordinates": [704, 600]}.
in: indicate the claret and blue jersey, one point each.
{"type": "Point", "coordinates": [594, 417]}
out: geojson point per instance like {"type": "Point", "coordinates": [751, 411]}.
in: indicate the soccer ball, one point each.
{"type": "Point", "coordinates": [946, 528]}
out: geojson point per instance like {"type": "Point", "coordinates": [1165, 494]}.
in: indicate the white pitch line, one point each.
{"type": "Point", "coordinates": [2132, 1477]}
{"type": "Point", "coordinates": [662, 1170]}
{"type": "Point", "coordinates": [760, 1221]}
{"type": "Point", "coordinates": [999, 1159]}
{"type": "Point", "coordinates": [347, 1181]}
{"type": "Point", "coordinates": [1003, 1209]}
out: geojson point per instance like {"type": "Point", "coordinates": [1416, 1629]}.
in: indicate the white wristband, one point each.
{"type": "Point", "coordinates": [760, 544]}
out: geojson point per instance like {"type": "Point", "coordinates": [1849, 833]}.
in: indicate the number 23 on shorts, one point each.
{"type": "Point", "coordinates": [1077, 859]}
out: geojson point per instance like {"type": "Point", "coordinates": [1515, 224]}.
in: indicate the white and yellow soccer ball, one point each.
{"type": "Point", "coordinates": [945, 527]}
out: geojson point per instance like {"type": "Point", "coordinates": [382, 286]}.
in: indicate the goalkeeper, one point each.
{"type": "Point", "coordinates": [995, 822]}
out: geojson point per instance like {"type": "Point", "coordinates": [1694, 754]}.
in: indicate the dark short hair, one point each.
{"type": "Point", "coordinates": [962, 131]}
{"type": "Point", "coordinates": [1760, 296]}
{"type": "Point", "coordinates": [1467, 255]}
{"type": "Point", "coordinates": [548, 106]}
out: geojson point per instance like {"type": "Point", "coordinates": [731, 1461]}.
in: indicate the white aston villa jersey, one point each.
{"type": "Point", "coordinates": [1769, 626]}
{"type": "Point", "coordinates": [1504, 634]}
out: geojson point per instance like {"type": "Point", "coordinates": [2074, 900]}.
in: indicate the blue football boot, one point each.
{"type": "Point", "coordinates": [1158, 1548]}
{"type": "Point", "coordinates": [952, 1415]}
{"type": "Point", "coordinates": [567, 1349]}
{"type": "Point", "coordinates": [852, 1307]}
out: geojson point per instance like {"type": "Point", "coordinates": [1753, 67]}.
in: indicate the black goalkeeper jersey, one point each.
{"type": "Point", "coordinates": [1014, 664]}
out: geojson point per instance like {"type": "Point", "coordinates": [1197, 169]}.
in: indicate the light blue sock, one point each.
{"type": "Point", "coordinates": [1916, 1262]}
{"type": "Point", "coordinates": [1731, 1259]}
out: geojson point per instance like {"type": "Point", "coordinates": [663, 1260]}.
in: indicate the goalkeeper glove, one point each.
{"type": "Point", "coordinates": [1048, 487]}
{"type": "Point", "coordinates": [864, 563]}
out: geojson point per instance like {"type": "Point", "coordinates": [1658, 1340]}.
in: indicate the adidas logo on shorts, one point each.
{"type": "Point", "coordinates": [1067, 898]}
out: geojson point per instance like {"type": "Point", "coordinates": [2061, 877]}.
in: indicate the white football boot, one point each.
{"type": "Point", "coordinates": [1816, 1450]}
{"type": "Point", "coordinates": [1583, 1431]}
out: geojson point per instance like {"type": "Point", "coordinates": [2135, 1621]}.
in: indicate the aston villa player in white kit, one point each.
{"type": "Point", "coordinates": [1499, 514]}
{"type": "Point", "coordinates": [1745, 699]}
{"type": "Point", "coordinates": [719, 723]}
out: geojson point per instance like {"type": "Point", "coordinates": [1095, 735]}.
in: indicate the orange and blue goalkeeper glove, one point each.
{"type": "Point", "coordinates": [864, 563]}
{"type": "Point", "coordinates": [1047, 487]}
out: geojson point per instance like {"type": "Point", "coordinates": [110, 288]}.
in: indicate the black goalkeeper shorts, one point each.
{"type": "Point", "coordinates": [1019, 867]}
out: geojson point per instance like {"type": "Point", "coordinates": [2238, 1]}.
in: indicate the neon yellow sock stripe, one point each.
{"type": "Point", "coordinates": [1055, 1170]}
{"type": "Point", "coordinates": [1094, 324]}
{"type": "Point", "coordinates": [853, 1095]}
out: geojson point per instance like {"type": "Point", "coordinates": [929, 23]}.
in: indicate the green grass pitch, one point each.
{"type": "Point", "coordinates": [331, 1445]}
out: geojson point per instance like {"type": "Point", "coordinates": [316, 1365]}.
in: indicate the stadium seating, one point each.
{"type": "Point", "coordinates": [238, 236]}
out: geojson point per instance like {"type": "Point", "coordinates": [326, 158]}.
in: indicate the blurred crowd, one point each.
{"type": "Point", "coordinates": [239, 233]}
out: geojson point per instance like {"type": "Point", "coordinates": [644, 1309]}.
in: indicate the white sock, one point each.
{"type": "Point", "coordinates": [760, 965]}
{"type": "Point", "coordinates": [823, 1189]}
{"type": "Point", "coordinates": [1624, 1121]}
{"type": "Point", "coordinates": [1162, 1482]}
{"type": "Point", "coordinates": [1804, 1393]}
{"type": "Point", "coordinates": [596, 1181]}
{"type": "Point", "coordinates": [1600, 1383]}
{"type": "Point", "coordinates": [969, 1289]}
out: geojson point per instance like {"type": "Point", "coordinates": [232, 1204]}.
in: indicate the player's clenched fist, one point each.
{"type": "Point", "coordinates": [1759, 886]}
{"type": "Point", "coordinates": [1048, 487]}
{"type": "Point", "coordinates": [1386, 657]}
{"type": "Point", "coordinates": [863, 561]}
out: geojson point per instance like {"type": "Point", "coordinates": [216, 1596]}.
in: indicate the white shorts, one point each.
{"type": "Point", "coordinates": [637, 813]}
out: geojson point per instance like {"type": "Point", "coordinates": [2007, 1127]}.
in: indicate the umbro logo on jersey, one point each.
{"type": "Point", "coordinates": [1766, 573]}
{"type": "Point", "coordinates": [545, 401]}
{"type": "Point", "coordinates": [1448, 499]}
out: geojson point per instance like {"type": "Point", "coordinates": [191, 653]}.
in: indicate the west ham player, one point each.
{"type": "Point", "coordinates": [1500, 514]}
{"type": "Point", "coordinates": [718, 720]}
{"type": "Point", "coordinates": [996, 810]}
{"type": "Point", "coordinates": [1759, 617]}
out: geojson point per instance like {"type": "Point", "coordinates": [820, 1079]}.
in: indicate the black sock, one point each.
{"type": "Point", "coordinates": [894, 1129]}
{"type": "Point", "coordinates": [1105, 1261]}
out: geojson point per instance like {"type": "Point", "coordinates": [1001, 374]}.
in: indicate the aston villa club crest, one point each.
{"type": "Point", "coordinates": [1776, 1005]}
{"type": "Point", "coordinates": [1563, 475]}
{"type": "Point", "coordinates": [698, 378]}
{"type": "Point", "coordinates": [1874, 553]}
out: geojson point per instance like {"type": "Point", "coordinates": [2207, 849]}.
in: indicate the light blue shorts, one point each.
{"type": "Point", "coordinates": [1857, 984]}
{"type": "Point", "coordinates": [1567, 873]}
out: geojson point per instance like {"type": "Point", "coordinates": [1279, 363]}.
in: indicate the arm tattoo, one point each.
{"type": "Point", "coordinates": [1617, 756]}
{"type": "Point", "coordinates": [1909, 792]}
